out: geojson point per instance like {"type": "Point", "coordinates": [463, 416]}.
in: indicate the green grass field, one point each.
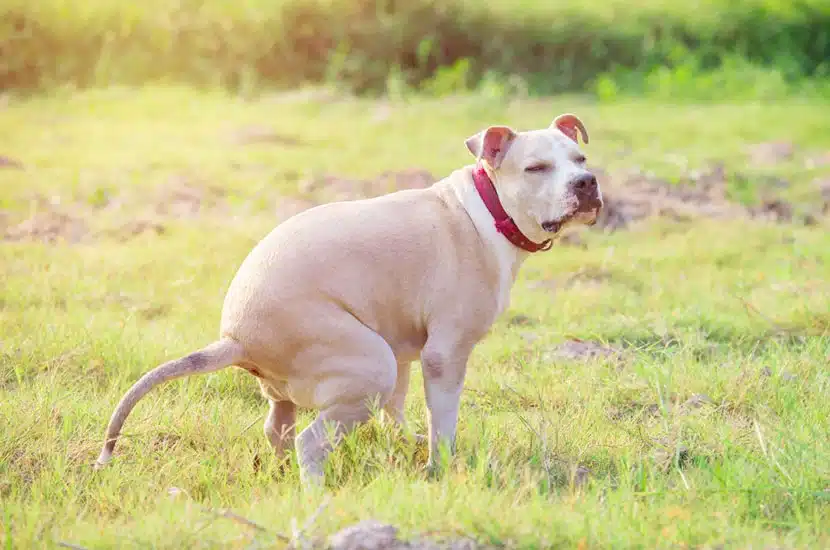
{"type": "Point", "coordinates": [708, 430]}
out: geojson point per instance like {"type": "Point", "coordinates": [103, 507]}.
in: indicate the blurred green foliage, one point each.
{"type": "Point", "coordinates": [434, 46]}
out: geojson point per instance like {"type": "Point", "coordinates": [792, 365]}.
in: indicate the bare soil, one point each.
{"type": "Point", "coordinates": [629, 198]}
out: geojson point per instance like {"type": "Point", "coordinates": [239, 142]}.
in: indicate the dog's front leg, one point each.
{"type": "Point", "coordinates": [444, 372]}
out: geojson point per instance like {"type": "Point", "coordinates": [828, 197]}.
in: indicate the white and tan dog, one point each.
{"type": "Point", "coordinates": [329, 309]}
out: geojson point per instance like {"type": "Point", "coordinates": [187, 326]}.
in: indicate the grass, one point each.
{"type": "Point", "coordinates": [736, 311]}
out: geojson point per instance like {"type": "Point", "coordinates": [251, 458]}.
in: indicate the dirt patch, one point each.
{"type": "Point", "coordinates": [134, 228]}
{"type": "Point", "coordinates": [701, 194]}
{"type": "Point", "coordinates": [520, 320]}
{"type": "Point", "coordinates": [637, 196]}
{"type": "Point", "coordinates": [770, 153]}
{"type": "Point", "coordinates": [183, 197]}
{"type": "Point", "coordinates": [374, 535]}
{"type": "Point", "coordinates": [667, 454]}
{"type": "Point", "coordinates": [590, 276]}
{"type": "Point", "coordinates": [8, 162]}
{"type": "Point", "coordinates": [164, 442]}
{"type": "Point", "coordinates": [257, 135]}
{"type": "Point", "coordinates": [125, 216]}
{"type": "Point", "coordinates": [696, 401]}
{"type": "Point", "coordinates": [628, 411]}
{"type": "Point", "coordinates": [584, 277]}
{"type": "Point", "coordinates": [587, 277]}
{"type": "Point", "coordinates": [776, 210]}
{"type": "Point", "coordinates": [53, 220]}
{"type": "Point", "coordinates": [581, 350]}
{"type": "Point", "coordinates": [47, 226]}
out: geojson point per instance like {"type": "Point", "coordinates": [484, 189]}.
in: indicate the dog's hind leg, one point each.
{"type": "Point", "coordinates": [360, 379]}
{"type": "Point", "coordinates": [279, 426]}
{"type": "Point", "coordinates": [394, 408]}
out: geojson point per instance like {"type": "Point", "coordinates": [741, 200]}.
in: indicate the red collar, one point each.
{"type": "Point", "coordinates": [504, 223]}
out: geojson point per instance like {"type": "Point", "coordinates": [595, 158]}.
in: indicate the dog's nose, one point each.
{"type": "Point", "coordinates": [586, 184]}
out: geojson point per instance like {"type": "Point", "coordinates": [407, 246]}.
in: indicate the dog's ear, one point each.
{"type": "Point", "coordinates": [491, 144]}
{"type": "Point", "coordinates": [568, 124]}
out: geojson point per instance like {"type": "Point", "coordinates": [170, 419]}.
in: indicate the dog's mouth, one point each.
{"type": "Point", "coordinates": [587, 214]}
{"type": "Point", "coordinates": [555, 226]}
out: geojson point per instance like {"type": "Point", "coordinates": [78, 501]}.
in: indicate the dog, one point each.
{"type": "Point", "coordinates": [329, 310]}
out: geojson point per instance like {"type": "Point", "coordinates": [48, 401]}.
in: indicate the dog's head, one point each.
{"type": "Point", "coordinates": [540, 175]}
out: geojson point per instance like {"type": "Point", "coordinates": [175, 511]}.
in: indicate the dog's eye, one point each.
{"type": "Point", "coordinates": [541, 167]}
{"type": "Point", "coordinates": [580, 159]}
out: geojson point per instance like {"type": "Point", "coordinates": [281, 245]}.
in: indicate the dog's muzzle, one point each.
{"type": "Point", "coordinates": [587, 204]}
{"type": "Point", "coordinates": [588, 199]}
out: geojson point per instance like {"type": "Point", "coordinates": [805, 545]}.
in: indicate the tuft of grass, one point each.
{"type": "Point", "coordinates": [708, 429]}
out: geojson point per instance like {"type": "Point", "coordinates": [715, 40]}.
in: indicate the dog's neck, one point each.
{"type": "Point", "coordinates": [505, 224]}
{"type": "Point", "coordinates": [509, 257]}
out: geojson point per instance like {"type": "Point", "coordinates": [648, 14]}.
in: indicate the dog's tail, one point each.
{"type": "Point", "coordinates": [218, 355]}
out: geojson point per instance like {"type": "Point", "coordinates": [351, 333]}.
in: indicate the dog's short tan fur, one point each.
{"type": "Point", "coordinates": [330, 308]}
